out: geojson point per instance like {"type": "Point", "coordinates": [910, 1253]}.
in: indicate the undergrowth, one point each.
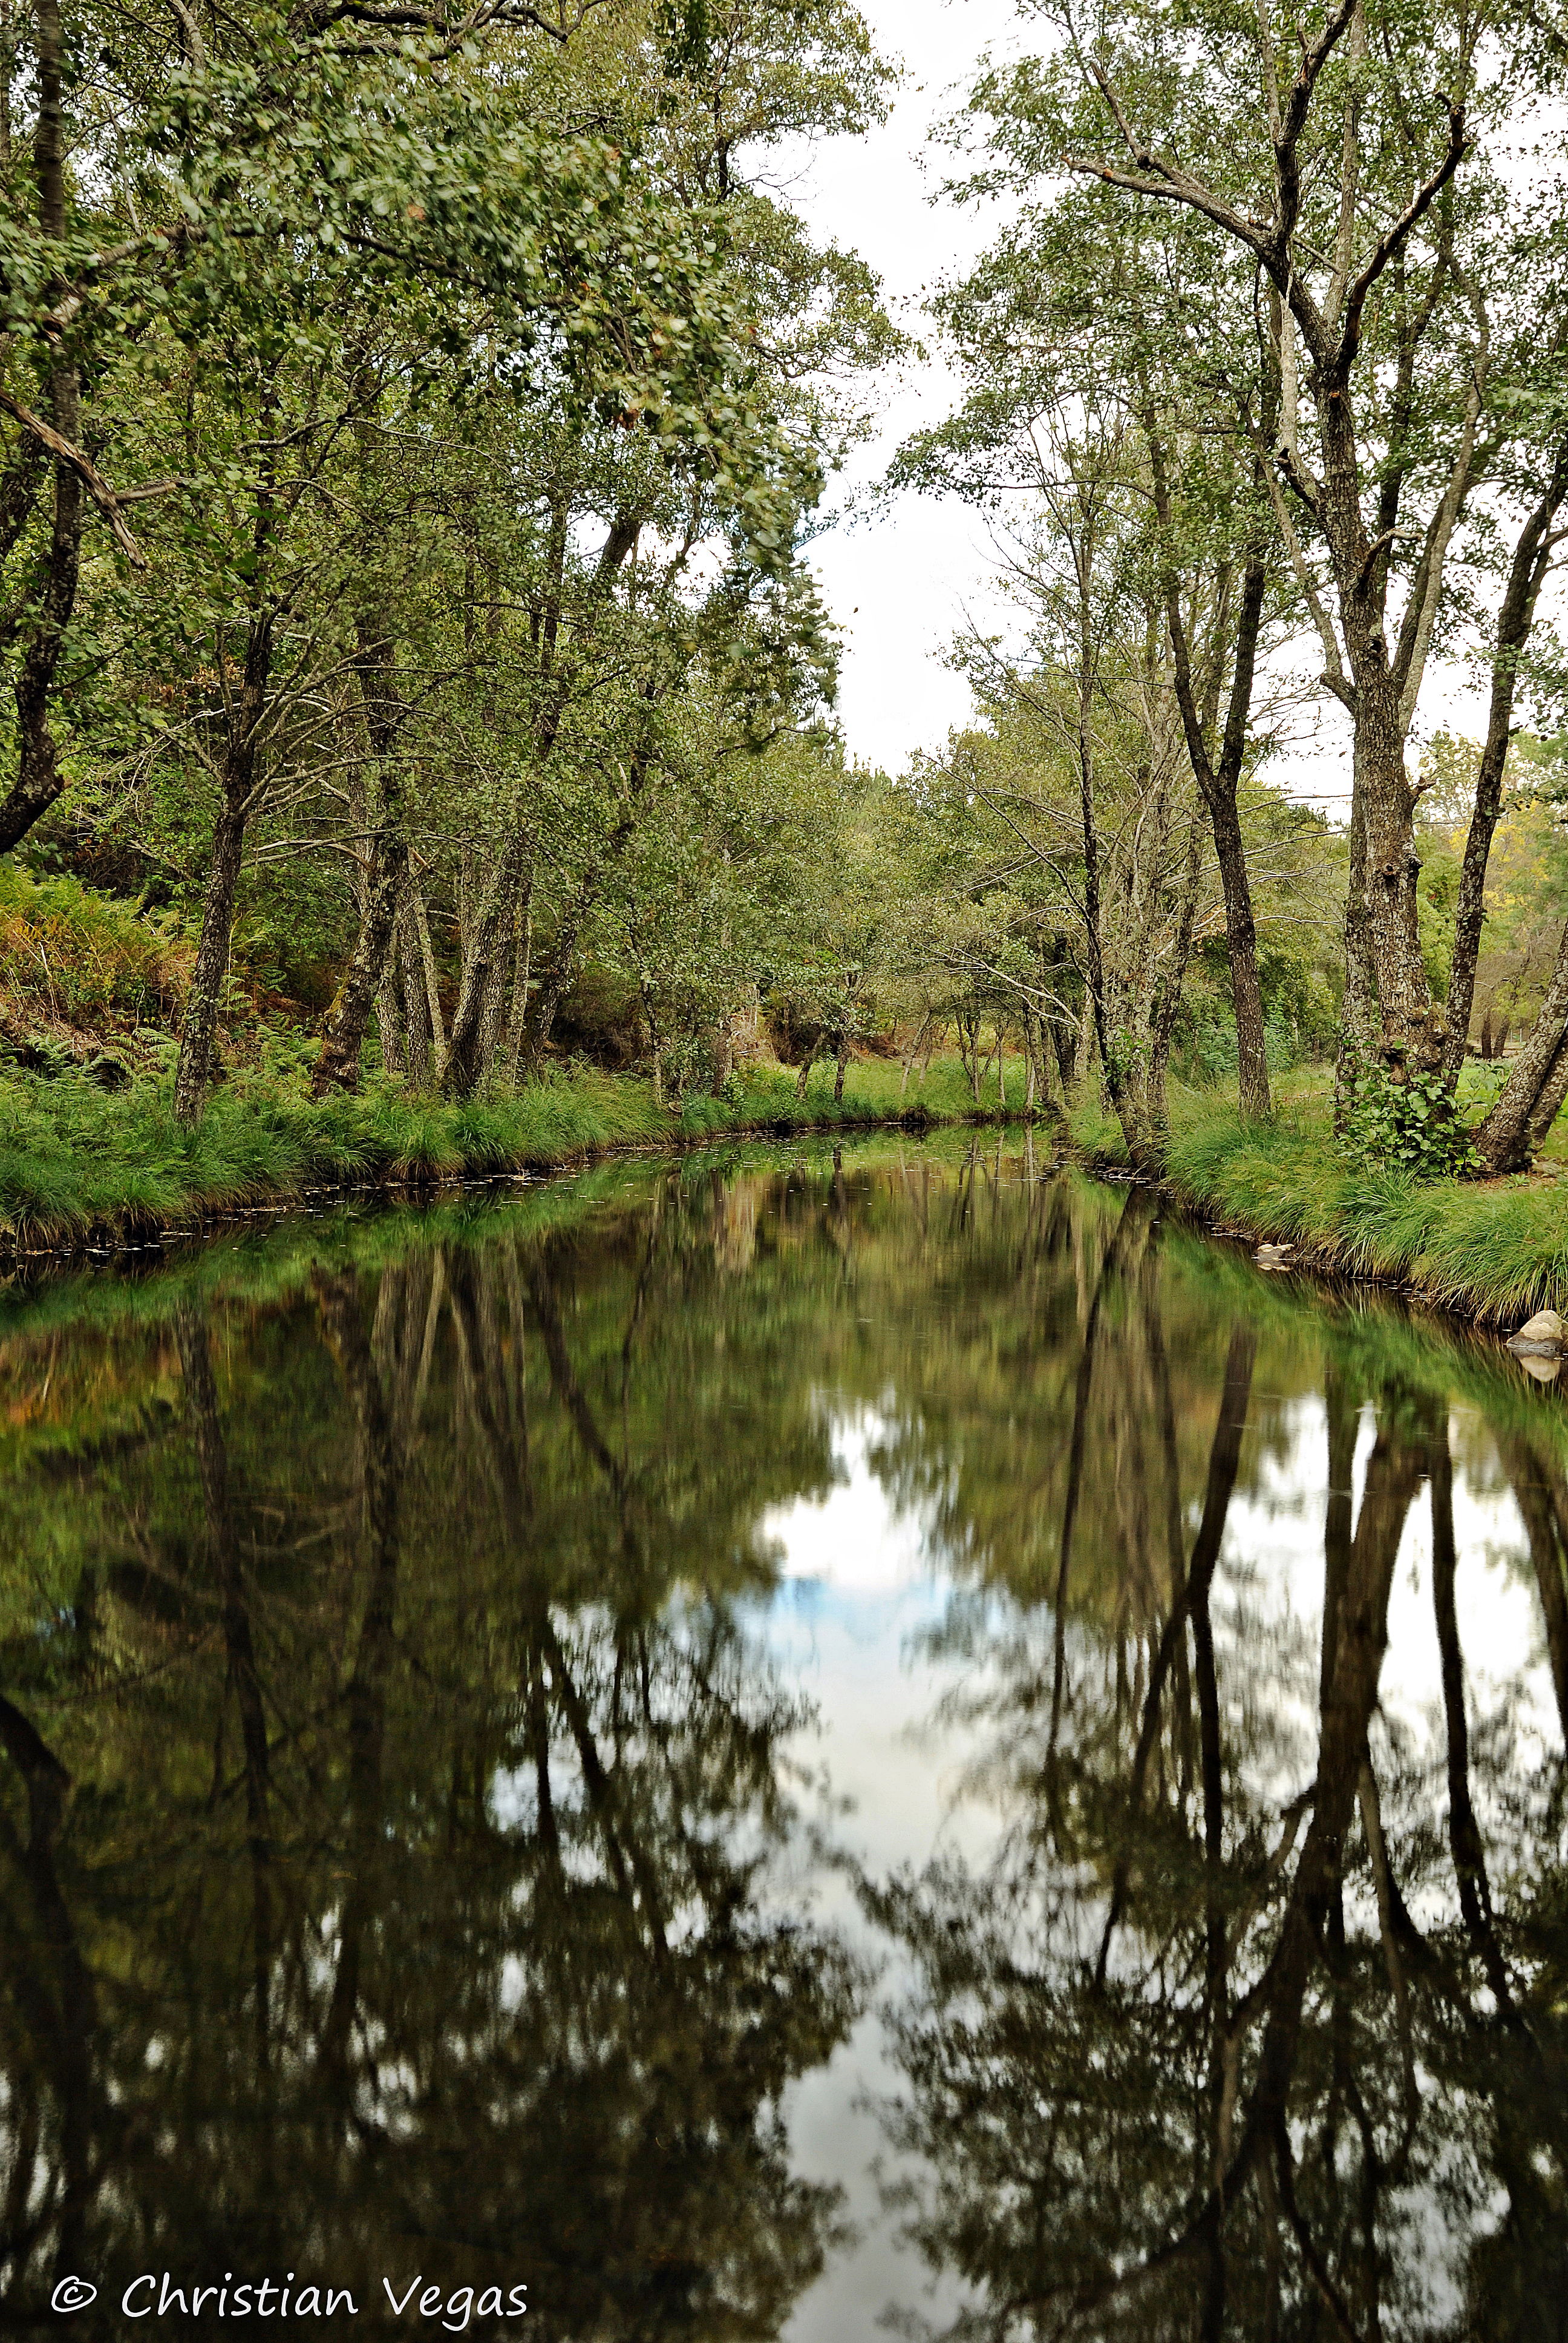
{"type": "Point", "coordinates": [70, 953]}
{"type": "Point", "coordinates": [74, 1159]}
{"type": "Point", "coordinates": [1496, 1250]}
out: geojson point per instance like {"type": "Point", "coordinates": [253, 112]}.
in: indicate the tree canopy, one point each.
{"type": "Point", "coordinates": [412, 425]}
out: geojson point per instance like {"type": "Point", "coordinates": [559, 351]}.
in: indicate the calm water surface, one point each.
{"type": "Point", "coordinates": [786, 1748]}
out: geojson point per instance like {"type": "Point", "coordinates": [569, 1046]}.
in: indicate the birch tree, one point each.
{"type": "Point", "coordinates": [1353, 162]}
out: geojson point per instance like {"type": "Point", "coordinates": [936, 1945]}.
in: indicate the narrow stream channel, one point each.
{"type": "Point", "coordinates": [789, 1746]}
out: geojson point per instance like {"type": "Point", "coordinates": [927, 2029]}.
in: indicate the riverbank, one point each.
{"type": "Point", "coordinates": [1493, 1250]}
{"type": "Point", "coordinates": [82, 1169]}
{"type": "Point", "coordinates": [265, 1261]}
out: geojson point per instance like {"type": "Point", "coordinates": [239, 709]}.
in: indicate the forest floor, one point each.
{"type": "Point", "coordinates": [1493, 1250]}
{"type": "Point", "coordinates": [83, 1168]}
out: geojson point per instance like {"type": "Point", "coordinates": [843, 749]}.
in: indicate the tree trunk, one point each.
{"type": "Point", "coordinates": [418, 1036]}
{"type": "Point", "coordinates": [1241, 949]}
{"type": "Point", "coordinates": [969, 1050]}
{"type": "Point", "coordinates": [1167, 1005]}
{"type": "Point", "coordinates": [563, 974]}
{"type": "Point", "coordinates": [194, 1073]}
{"type": "Point", "coordinates": [337, 1068]}
{"type": "Point", "coordinates": [1062, 1026]}
{"type": "Point", "coordinates": [465, 1064]}
{"type": "Point", "coordinates": [1358, 1010]}
{"type": "Point", "coordinates": [388, 1022]}
{"type": "Point", "coordinates": [421, 989]}
{"type": "Point", "coordinates": [842, 1054]}
{"type": "Point", "coordinates": [1527, 572]}
{"type": "Point", "coordinates": [1093, 958]}
{"type": "Point", "coordinates": [1535, 1089]}
{"type": "Point", "coordinates": [1389, 1013]}
{"type": "Point", "coordinates": [723, 1051]}
{"type": "Point", "coordinates": [241, 793]}
{"type": "Point", "coordinates": [1549, 1098]}
{"type": "Point", "coordinates": [1399, 1025]}
{"type": "Point", "coordinates": [492, 1016]}
{"type": "Point", "coordinates": [914, 1051]}
{"type": "Point", "coordinates": [348, 1019]}
{"type": "Point", "coordinates": [1217, 783]}
{"type": "Point", "coordinates": [522, 978]}
{"type": "Point", "coordinates": [1139, 1101]}
{"type": "Point", "coordinates": [1083, 1040]}
{"type": "Point", "coordinates": [39, 780]}
{"type": "Point", "coordinates": [650, 1019]}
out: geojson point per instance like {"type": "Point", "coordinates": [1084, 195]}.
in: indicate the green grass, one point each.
{"type": "Point", "coordinates": [78, 1165]}
{"type": "Point", "coordinates": [76, 1160]}
{"type": "Point", "coordinates": [1495, 1249]}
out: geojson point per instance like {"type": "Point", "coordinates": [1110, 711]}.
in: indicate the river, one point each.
{"type": "Point", "coordinates": [798, 1744]}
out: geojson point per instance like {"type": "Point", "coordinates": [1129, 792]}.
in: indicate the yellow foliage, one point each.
{"type": "Point", "coordinates": [73, 955]}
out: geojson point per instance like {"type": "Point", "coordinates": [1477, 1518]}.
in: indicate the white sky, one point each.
{"type": "Point", "coordinates": [900, 581]}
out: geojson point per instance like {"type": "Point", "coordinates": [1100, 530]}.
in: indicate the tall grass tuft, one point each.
{"type": "Point", "coordinates": [75, 1160]}
{"type": "Point", "coordinates": [1494, 1250]}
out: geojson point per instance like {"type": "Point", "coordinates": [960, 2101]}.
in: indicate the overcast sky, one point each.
{"type": "Point", "coordinates": [899, 580]}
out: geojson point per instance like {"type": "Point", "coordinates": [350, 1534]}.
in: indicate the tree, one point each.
{"type": "Point", "coordinates": [1084, 781]}
{"type": "Point", "coordinates": [1082, 306]}
{"type": "Point", "coordinates": [1397, 304]}
{"type": "Point", "coordinates": [514, 205]}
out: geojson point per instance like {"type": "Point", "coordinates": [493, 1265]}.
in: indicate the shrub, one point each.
{"type": "Point", "coordinates": [1408, 1123]}
{"type": "Point", "coordinates": [82, 958]}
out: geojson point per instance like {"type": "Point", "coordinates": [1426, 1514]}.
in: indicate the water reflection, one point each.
{"type": "Point", "coordinates": [380, 1900]}
{"type": "Point", "coordinates": [1184, 2061]}
{"type": "Point", "coordinates": [418, 1851]}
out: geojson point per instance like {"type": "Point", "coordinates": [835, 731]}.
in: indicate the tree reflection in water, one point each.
{"type": "Point", "coordinates": [1184, 2062]}
{"type": "Point", "coordinates": [380, 1876]}
{"type": "Point", "coordinates": [401, 1850]}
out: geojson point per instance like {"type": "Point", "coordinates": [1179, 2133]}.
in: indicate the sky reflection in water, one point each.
{"type": "Point", "coordinates": [754, 1744]}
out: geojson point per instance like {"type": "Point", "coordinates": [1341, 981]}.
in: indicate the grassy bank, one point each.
{"type": "Point", "coordinates": [78, 1165]}
{"type": "Point", "coordinates": [1492, 1249]}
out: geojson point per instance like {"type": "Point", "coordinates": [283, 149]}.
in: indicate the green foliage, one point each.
{"type": "Point", "coordinates": [1206, 1050]}
{"type": "Point", "coordinates": [1410, 1123]}
{"type": "Point", "coordinates": [474, 387]}
{"type": "Point", "coordinates": [482, 392]}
